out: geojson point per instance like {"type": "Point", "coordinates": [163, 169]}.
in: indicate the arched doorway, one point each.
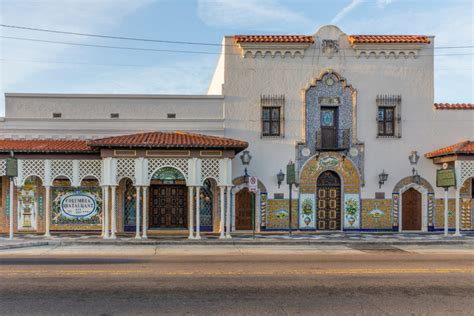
{"type": "Point", "coordinates": [411, 210]}
{"type": "Point", "coordinates": [328, 196]}
{"type": "Point", "coordinates": [243, 210]}
{"type": "Point", "coordinates": [168, 200]}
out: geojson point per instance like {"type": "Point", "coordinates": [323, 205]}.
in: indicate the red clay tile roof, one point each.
{"type": "Point", "coordinates": [169, 139]}
{"type": "Point", "coordinates": [386, 39]}
{"type": "Point", "coordinates": [466, 147]}
{"type": "Point", "coordinates": [353, 39]}
{"type": "Point", "coordinates": [44, 145]}
{"type": "Point", "coordinates": [273, 39]}
{"type": "Point", "coordinates": [454, 106]}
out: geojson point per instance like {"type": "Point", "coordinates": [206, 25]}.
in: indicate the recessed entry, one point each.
{"type": "Point", "coordinates": [114, 115]}
{"type": "Point", "coordinates": [171, 115]}
{"type": "Point", "coordinates": [57, 115]}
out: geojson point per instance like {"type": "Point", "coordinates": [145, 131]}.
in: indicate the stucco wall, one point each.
{"type": "Point", "coordinates": [89, 115]}
{"type": "Point", "coordinates": [423, 129]}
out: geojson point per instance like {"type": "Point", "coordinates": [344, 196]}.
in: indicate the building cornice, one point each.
{"type": "Point", "coordinates": [111, 96]}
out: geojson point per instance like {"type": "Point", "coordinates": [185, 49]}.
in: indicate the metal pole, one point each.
{"type": "Point", "coordinates": [253, 215]}
{"type": "Point", "coordinates": [446, 212]}
{"type": "Point", "coordinates": [290, 213]}
{"type": "Point", "coordinates": [11, 208]}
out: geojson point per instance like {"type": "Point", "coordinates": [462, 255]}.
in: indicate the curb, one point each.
{"type": "Point", "coordinates": [26, 245]}
{"type": "Point", "coordinates": [236, 243]}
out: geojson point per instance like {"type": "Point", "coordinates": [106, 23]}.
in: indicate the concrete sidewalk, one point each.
{"type": "Point", "coordinates": [297, 239]}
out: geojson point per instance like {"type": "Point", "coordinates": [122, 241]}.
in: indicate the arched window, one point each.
{"type": "Point", "coordinates": [129, 205]}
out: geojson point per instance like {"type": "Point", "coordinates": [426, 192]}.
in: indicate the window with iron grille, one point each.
{"type": "Point", "coordinates": [389, 116]}
{"type": "Point", "coordinates": [272, 115]}
{"type": "Point", "coordinates": [386, 123]}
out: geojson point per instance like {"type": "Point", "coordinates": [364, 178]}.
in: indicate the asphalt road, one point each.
{"type": "Point", "coordinates": [236, 280]}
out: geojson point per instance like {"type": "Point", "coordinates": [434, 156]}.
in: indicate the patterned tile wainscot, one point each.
{"type": "Point", "coordinates": [376, 214]}
{"type": "Point", "coordinates": [277, 214]}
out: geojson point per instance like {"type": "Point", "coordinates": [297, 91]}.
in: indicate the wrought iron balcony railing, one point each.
{"type": "Point", "coordinates": [332, 139]}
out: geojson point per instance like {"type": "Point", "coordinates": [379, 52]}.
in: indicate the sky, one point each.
{"type": "Point", "coordinates": [38, 67]}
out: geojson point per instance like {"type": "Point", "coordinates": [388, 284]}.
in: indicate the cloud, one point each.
{"type": "Point", "coordinates": [264, 15]}
{"type": "Point", "coordinates": [87, 16]}
{"type": "Point", "coordinates": [453, 78]}
{"type": "Point", "coordinates": [183, 77]}
{"type": "Point", "coordinates": [341, 14]}
{"type": "Point", "coordinates": [383, 3]}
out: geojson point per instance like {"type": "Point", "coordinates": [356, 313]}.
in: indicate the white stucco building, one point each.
{"type": "Point", "coordinates": [347, 109]}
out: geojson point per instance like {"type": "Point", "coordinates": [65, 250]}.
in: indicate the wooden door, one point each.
{"type": "Point", "coordinates": [411, 210]}
{"type": "Point", "coordinates": [329, 127]}
{"type": "Point", "coordinates": [243, 210]}
{"type": "Point", "coordinates": [328, 191]}
{"type": "Point", "coordinates": [168, 206]}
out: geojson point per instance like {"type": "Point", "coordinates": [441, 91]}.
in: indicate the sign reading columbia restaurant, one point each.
{"type": "Point", "coordinates": [76, 208]}
{"type": "Point", "coordinates": [78, 205]}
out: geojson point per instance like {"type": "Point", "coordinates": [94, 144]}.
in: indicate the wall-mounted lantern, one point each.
{"type": "Point", "coordinates": [414, 157]}
{"type": "Point", "coordinates": [382, 178]}
{"type": "Point", "coordinates": [245, 158]}
{"type": "Point", "coordinates": [280, 177]}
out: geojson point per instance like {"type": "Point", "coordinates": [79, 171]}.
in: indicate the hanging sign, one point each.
{"type": "Point", "coordinates": [445, 178]}
{"type": "Point", "coordinates": [11, 167]}
{"type": "Point", "coordinates": [290, 173]}
{"type": "Point", "coordinates": [253, 184]}
{"type": "Point", "coordinates": [78, 205]}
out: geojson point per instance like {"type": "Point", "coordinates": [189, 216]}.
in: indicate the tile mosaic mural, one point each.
{"type": "Point", "coordinates": [278, 214]}
{"type": "Point", "coordinates": [351, 211]}
{"type": "Point", "coordinates": [307, 211]}
{"type": "Point", "coordinates": [376, 214]}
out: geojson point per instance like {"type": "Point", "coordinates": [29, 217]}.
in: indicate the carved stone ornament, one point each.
{"type": "Point", "coordinates": [330, 46]}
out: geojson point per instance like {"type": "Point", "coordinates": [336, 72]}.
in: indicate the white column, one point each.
{"type": "Point", "coordinates": [145, 213]}
{"type": "Point", "coordinates": [191, 212]}
{"type": "Point", "coordinates": [113, 229]}
{"type": "Point", "coordinates": [458, 213]}
{"type": "Point", "coordinates": [227, 217]}
{"type": "Point", "coordinates": [47, 210]}
{"type": "Point", "coordinates": [106, 212]}
{"type": "Point", "coordinates": [222, 189]}
{"type": "Point", "coordinates": [198, 213]}
{"type": "Point", "coordinates": [103, 213]}
{"type": "Point", "coordinates": [11, 208]}
{"type": "Point", "coordinates": [137, 214]}
{"type": "Point", "coordinates": [446, 212]}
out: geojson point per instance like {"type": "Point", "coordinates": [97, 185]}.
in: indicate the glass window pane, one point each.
{"type": "Point", "coordinates": [388, 128]}
{"type": "Point", "coordinates": [389, 113]}
{"type": "Point", "coordinates": [266, 114]}
{"type": "Point", "coordinates": [381, 115]}
{"type": "Point", "coordinates": [327, 118]}
{"type": "Point", "coordinates": [275, 128]}
{"type": "Point", "coordinates": [275, 114]}
{"type": "Point", "coordinates": [380, 128]}
{"type": "Point", "coordinates": [266, 128]}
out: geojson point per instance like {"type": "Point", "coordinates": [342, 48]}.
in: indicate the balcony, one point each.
{"type": "Point", "coordinates": [331, 139]}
